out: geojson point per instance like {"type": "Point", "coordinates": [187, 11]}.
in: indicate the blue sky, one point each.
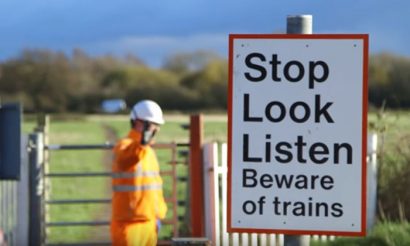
{"type": "Point", "coordinates": [155, 29]}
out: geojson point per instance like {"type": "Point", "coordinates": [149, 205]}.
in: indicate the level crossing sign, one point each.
{"type": "Point", "coordinates": [297, 133]}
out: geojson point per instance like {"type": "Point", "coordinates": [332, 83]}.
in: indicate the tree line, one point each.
{"type": "Point", "coordinates": [49, 81]}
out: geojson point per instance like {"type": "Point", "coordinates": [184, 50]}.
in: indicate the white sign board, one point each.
{"type": "Point", "coordinates": [297, 134]}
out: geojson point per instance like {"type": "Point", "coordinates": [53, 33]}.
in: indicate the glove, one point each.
{"type": "Point", "coordinates": [158, 225]}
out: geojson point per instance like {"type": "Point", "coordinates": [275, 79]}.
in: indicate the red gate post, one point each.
{"type": "Point", "coordinates": [196, 176]}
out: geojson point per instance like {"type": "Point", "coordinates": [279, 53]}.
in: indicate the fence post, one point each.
{"type": "Point", "coordinates": [23, 195]}
{"type": "Point", "coordinates": [224, 190]}
{"type": "Point", "coordinates": [43, 126]}
{"type": "Point", "coordinates": [36, 189]}
{"type": "Point", "coordinates": [196, 176]}
{"type": "Point", "coordinates": [211, 194]}
{"type": "Point", "coordinates": [371, 179]}
{"type": "Point", "coordinates": [298, 24]}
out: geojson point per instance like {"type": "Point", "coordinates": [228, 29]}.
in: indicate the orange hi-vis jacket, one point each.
{"type": "Point", "coordinates": [136, 182]}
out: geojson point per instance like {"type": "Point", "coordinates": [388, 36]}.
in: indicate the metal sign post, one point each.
{"type": "Point", "coordinates": [298, 24]}
{"type": "Point", "coordinates": [297, 132]}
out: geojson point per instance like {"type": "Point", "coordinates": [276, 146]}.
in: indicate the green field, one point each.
{"type": "Point", "coordinates": [98, 130]}
{"type": "Point", "coordinates": [391, 126]}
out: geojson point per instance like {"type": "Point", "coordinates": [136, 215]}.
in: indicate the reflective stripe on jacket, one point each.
{"type": "Point", "coordinates": [136, 182]}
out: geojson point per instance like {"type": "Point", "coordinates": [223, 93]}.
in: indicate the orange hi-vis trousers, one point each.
{"type": "Point", "coordinates": [134, 233]}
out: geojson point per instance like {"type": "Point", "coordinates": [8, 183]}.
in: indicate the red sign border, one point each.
{"type": "Point", "coordinates": [365, 38]}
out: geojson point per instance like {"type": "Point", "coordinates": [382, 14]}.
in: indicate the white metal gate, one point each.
{"type": "Point", "coordinates": [215, 183]}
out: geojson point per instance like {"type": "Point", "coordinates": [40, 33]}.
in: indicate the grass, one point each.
{"type": "Point", "coordinates": [384, 234]}
{"type": "Point", "coordinates": [83, 132]}
{"type": "Point", "coordinates": [390, 125]}
{"type": "Point", "coordinates": [90, 129]}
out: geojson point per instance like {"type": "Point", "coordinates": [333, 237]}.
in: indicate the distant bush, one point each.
{"type": "Point", "coordinates": [389, 78]}
{"type": "Point", "coordinates": [48, 81]}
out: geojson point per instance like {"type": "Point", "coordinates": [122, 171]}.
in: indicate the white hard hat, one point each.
{"type": "Point", "coordinates": [147, 110]}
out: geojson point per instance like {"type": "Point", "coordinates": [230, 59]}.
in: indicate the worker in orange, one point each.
{"type": "Point", "coordinates": [138, 204]}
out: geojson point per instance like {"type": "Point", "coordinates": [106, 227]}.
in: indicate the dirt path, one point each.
{"type": "Point", "coordinates": [103, 212]}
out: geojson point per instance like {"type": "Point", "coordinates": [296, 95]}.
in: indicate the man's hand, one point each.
{"type": "Point", "coordinates": [158, 225]}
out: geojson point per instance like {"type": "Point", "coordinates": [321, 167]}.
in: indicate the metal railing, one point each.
{"type": "Point", "coordinates": [40, 200]}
